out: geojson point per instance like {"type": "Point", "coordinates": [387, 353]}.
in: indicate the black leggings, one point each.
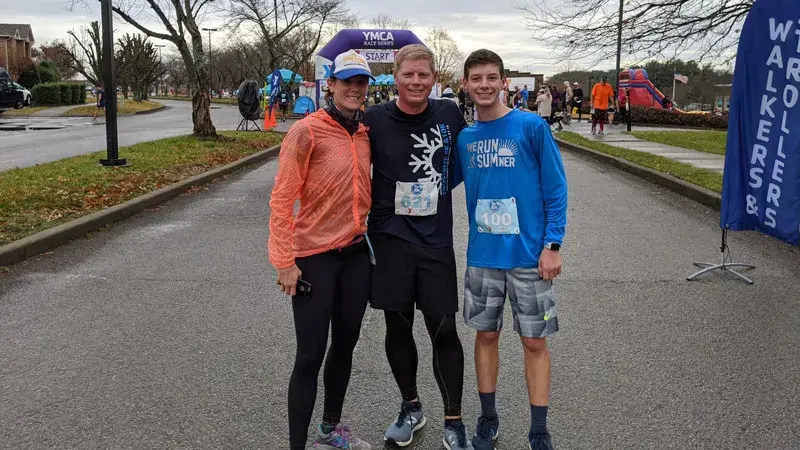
{"type": "Point", "coordinates": [340, 288]}
{"type": "Point", "coordinates": [448, 356]}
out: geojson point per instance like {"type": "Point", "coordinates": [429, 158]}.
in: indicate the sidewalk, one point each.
{"type": "Point", "coordinates": [615, 136]}
{"type": "Point", "coordinates": [56, 111]}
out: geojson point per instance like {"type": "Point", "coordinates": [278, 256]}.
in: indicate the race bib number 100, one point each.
{"type": "Point", "coordinates": [497, 216]}
{"type": "Point", "coordinates": [416, 199]}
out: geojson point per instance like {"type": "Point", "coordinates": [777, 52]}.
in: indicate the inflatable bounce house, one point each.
{"type": "Point", "coordinates": [642, 91]}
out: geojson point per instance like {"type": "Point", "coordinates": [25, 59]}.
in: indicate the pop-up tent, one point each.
{"type": "Point", "coordinates": [304, 105]}
{"type": "Point", "coordinates": [286, 74]}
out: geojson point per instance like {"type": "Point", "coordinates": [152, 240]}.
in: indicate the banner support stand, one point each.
{"type": "Point", "coordinates": [725, 265]}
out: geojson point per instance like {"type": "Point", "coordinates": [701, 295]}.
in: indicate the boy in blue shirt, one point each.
{"type": "Point", "coordinates": [516, 193]}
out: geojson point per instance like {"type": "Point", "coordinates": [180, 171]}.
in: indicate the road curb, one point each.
{"type": "Point", "coordinates": [43, 241]}
{"type": "Point", "coordinates": [696, 193]}
{"type": "Point", "coordinates": [151, 111]}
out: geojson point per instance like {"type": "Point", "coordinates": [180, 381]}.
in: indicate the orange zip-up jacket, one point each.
{"type": "Point", "coordinates": [329, 172]}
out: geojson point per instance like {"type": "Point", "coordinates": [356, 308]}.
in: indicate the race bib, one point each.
{"type": "Point", "coordinates": [498, 216]}
{"type": "Point", "coordinates": [416, 199]}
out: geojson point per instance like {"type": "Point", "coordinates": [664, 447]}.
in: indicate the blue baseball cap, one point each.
{"type": "Point", "coordinates": [350, 64]}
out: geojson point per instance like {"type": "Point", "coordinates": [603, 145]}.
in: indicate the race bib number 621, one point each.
{"type": "Point", "coordinates": [416, 199]}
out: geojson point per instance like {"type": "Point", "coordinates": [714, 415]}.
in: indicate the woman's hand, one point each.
{"type": "Point", "coordinates": [287, 279]}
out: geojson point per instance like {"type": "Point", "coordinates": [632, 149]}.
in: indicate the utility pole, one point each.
{"type": "Point", "coordinates": [110, 88]}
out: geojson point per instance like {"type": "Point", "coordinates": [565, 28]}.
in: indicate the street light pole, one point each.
{"type": "Point", "coordinates": [110, 87]}
{"type": "Point", "coordinates": [209, 56]}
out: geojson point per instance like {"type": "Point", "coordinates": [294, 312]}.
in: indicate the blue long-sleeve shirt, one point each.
{"type": "Point", "coordinates": [516, 190]}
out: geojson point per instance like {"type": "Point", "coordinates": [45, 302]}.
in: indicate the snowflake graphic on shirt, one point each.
{"type": "Point", "coordinates": [425, 162]}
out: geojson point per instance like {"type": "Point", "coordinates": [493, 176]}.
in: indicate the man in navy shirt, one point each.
{"type": "Point", "coordinates": [411, 228]}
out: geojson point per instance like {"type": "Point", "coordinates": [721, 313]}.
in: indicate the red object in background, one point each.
{"type": "Point", "coordinates": [642, 90]}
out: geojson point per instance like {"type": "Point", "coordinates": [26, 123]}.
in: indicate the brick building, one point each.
{"type": "Point", "coordinates": [16, 40]}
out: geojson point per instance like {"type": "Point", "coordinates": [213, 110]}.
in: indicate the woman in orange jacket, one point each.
{"type": "Point", "coordinates": [321, 253]}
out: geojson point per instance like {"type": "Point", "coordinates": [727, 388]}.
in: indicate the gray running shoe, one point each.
{"type": "Point", "coordinates": [401, 431]}
{"type": "Point", "coordinates": [339, 439]}
{"type": "Point", "coordinates": [455, 438]}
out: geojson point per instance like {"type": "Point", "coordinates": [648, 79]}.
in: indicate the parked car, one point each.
{"type": "Point", "coordinates": [10, 97]}
{"type": "Point", "coordinates": [25, 92]}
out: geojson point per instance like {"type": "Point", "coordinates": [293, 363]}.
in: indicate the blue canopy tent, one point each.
{"type": "Point", "coordinates": [379, 80]}
{"type": "Point", "coordinates": [389, 80]}
{"type": "Point", "coordinates": [286, 74]}
{"type": "Point", "coordinates": [304, 105]}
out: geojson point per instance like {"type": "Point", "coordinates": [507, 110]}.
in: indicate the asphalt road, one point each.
{"type": "Point", "coordinates": [79, 136]}
{"type": "Point", "coordinates": [167, 331]}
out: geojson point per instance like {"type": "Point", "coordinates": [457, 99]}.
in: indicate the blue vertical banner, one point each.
{"type": "Point", "coordinates": [275, 81]}
{"type": "Point", "coordinates": [761, 186]}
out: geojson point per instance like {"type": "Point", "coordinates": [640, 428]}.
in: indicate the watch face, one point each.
{"type": "Point", "coordinates": [554, 247]}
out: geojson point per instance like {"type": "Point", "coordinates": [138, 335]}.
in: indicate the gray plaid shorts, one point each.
{"type": "Point", "coordinates": [533, 300]}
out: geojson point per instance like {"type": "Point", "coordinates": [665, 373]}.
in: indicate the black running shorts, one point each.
{"type": "Point", "coordinates": [406, 275]}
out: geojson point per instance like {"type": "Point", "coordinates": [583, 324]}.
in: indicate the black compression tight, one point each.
{"type": "Point", "coordinates": [448, 356]}
{"type": "Point", "coordinates": [340, 283]}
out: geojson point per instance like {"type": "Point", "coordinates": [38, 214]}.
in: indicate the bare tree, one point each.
{"type": "Point", "coordinates": [279, 23]}
{"type": "Point", "coordinates": [386, 22]}
{"type": "Point", "coordinates": [587, 29]}
{"type": "Point", "coordinates": [55, 53]}
{"type": "Point", "coordinates": [180, 21]}
{"type": "Point", "coordinates": [449, 59]}
{"type": "Point", "coordinates": [176, 73]}
{"type": "Point", "coordinates": [86, 52]}
{"type": "Point", "coordinates": [138, 65]}
{"type": "Point", "coordinates": [254, 58]}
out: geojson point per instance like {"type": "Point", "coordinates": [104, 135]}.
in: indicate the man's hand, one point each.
{"type": "Point", "coordinates": [550, 263]}
{"type": "Point", "coordinates": [287, 279]}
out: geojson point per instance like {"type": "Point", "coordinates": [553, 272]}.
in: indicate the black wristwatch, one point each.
{"type": "Point", "coordinates": [554, 246]}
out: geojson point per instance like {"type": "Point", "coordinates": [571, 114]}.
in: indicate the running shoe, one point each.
{"type": "Point", "coordinates": [486, 433]}
{"type": "Point", "coordinates": [455, 437]}
{"type": "Point", "coordinates": [541, 442]}
{"type": "Point", "coordinates": [593, 132]}
{"type": "Point", "coordinates": [601, 133]}
{"type": "Point", "coordinates": [338, 439]}
{"type": "Point", "coordinates": [401, 431]}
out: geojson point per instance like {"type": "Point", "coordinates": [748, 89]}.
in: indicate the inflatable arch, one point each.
{"type": "Point", "coordinates": [378, 46]}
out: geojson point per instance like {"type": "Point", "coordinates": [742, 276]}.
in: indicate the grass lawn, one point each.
{"type": "Point", "coordinates": [24, 112]}
{"type": "Point", "coordinates": [223, 101]}
{"type": "Point", "coordinates": [126, 108]}
{"type": "Point", "coordinates": [702, 141]}
{"type": "Point", "coordinates": [708, 179]}
{"type": "Point", "coordinates": [36, 198]}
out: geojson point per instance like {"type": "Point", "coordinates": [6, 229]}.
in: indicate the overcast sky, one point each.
{"type": "Point", "coordinates": [494, 24]}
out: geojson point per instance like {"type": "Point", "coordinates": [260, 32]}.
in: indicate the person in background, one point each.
{"type": "Point", "coordinates": [283, 104]}
{"type": "Point", "coordinates": [602, 96]}
{"type": "Point", "coordinates": [556, 99]}
{"type": "Point", "coordinates": [577, 99]}
{"type": "Point", "coordinates": [462, 101]}
{"type": "Point", "coordinates": [448, 92]}
{"type": "Point", "coordinates": [544, 104]}
{"type": "Point", "coordinates": [622, 115]}
{"type": "Point", "coordinates": [101, 102]}
{"type": "Point", "coordinates": [525, 96]}
{"type": "Point", "coordinates": [325, 163]}
{"type": "Point", "coordinates": [666, 103]}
